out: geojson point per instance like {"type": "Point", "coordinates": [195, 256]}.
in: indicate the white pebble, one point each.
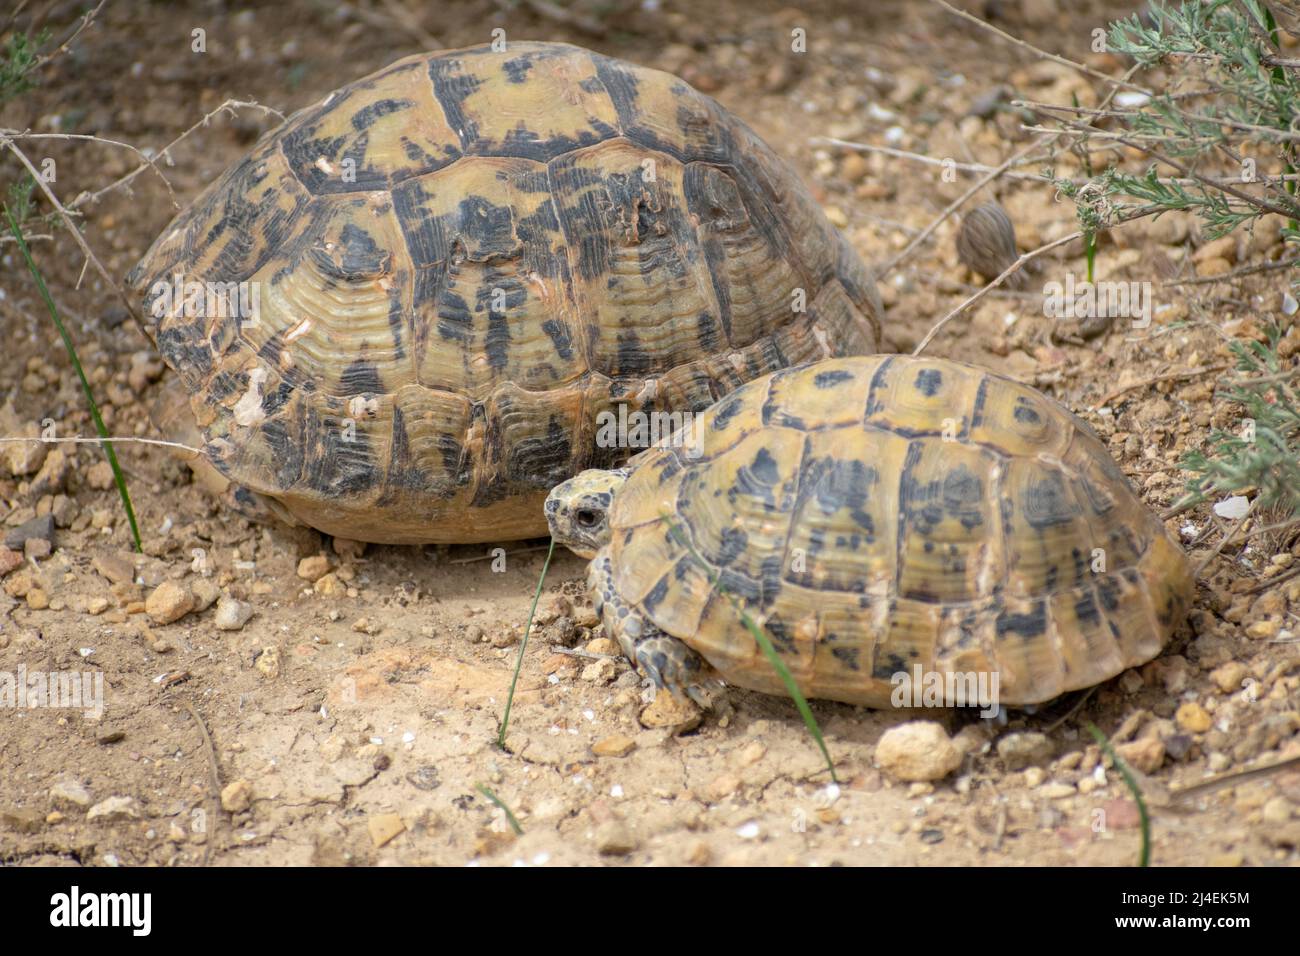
{"type": "Point", "coordinates": [1131, 99]}
{"type": "Point", "coordinates": [1235, 506]}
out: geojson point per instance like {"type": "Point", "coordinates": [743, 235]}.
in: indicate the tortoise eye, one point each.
{"type": "Point", "coordinates": [587, 518]}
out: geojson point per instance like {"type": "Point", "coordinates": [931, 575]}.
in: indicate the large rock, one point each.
{"type": "Point", "coordinates": [918, 750]}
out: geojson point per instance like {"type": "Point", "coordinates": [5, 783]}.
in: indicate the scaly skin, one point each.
{"type": "Point", "coordinates": [663, 658]}
{"type": "Point", "coordinates": [578, 513]}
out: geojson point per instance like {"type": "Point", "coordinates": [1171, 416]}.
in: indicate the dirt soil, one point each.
{"type": "Point", "coordinates": [353, 718]}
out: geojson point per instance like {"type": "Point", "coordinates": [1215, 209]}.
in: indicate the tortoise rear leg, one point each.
{"type": "Point", "coordinates": [173, 415]}
{"type": "Point", "coordinates": [663, 658]}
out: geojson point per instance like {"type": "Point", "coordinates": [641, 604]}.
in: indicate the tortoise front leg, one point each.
{"type": "Point", "coordinates": [663, 658]}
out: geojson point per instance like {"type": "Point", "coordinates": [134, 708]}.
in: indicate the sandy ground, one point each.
{"type": "Point", "coordinates": [353, 718]}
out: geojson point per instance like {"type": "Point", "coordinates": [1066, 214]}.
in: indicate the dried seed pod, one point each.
{"type": "Point", "coordinates": [986, 243]}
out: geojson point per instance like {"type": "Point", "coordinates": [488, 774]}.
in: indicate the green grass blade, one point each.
{"type": "Point", "coordinates": [514, 824]}
{"type": "Point", "coordinates": [768, 649]}
{"type": "Point", "coordinates": [773, 658]}
{"type": "Point", "coordinates": [523, 645]}
{"type": "Point", "coordinates": [1144, 858]}
{"type": "Point", "coordinates": [118, 477]}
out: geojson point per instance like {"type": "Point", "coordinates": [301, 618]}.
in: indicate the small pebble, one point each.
{"type": "Point", "coordinates": [114, 810]}
{"type": "Point", "coordinates": [384, 828]}
{"type": "Point", "coordinates": [268, 662]}
{"type": "Point", "coordinates": [613, 838]}
{"type": "Point", "coordinates": [669, 711]}
{"type": "Point", "coordinates": [169, 602]}
{"type": "Point", "coordinates": [231, 614]}
{"type": "Point", "coordinates": [1277, 810]}
{"type": "Point", "coordinates": [41, 528]}
{"type": "Point", "coordinates": [314, 567]}
{"type": "Point", "coordinates": [1228, 677]}
{"type": "Point", "coordinates": [1193, 718]}
{"type": "Point", "coordinates": [1057, 791]}
{"type": "Point", "coordinates": [206, 592]}
{"type": "Point", "coordinates": [1021, 750]}
{"type": "Point", "coordinates": [237, 796]}
{"type": "Point", "coordinates": [69, 795]}
{"type": "Point", "coordinates": [600, 672]}
{"type": "Point", "coordinates": [615, 746]}
{"type": "Point", "coordinates": [1146, 755]}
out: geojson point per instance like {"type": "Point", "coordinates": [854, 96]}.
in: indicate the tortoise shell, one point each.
{"type": "Point", "coordinates": [881, 513]}
{"type": "Point", "coordinates": [457, 263]}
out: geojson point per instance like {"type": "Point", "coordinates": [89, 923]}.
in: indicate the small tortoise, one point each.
{"type": "Point", "coordinates": [875, 515]}
{"type": "Point", "coordinates": [445, 272]}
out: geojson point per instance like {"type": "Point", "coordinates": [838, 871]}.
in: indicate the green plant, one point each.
{"type": "Point", "coordinates": [500, 804]}
{"type": "Point", "coordinates": [765, 644]}
{"type": "Point", "coordinates": [1264, 453]}
{"type": "Point", "coordinates": [16, 62]}
{"type": "Point", "coordinates": [1228, 104]}
{"type": "Point", "coordinates": [523, 645]}
{"type": "Point", "coordinates": [1144, 856]}
{"type": "Point", "coordinates": [1095, 208]}
{"type": "Point", "coordinates": [118, 477]}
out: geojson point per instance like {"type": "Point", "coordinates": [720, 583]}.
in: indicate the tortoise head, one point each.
{"type": "Point", "coordinates": [578, 510]}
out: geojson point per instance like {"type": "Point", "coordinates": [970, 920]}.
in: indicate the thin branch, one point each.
{"type": "Point", "coordinates": [1016, 41]}
{"type": "Point", "coordinates": [1233, 777]}
{"type": "Point", "coordinates": [229, 106]}
{"type": "Point", "coordinates": [570, 18]}
{"type": "Point", "coordinates": [1006, 273]}
{"type": "Point", "coordinates": [98, 441]}
{"type": "Point", "coordinates": [27, 134]}
{"type": "Point", "coordinates": [86, 20]}
{"type": "Point", "coordinates": [1245, 197]}
{"type": "Point", "coordinates": [1156, 379]}
{"type": "Point", "coordinates": [411, 24]}
{"type": "Point", "coordinates": [1267, 132]}
{"type": "Point", "coordinates": [930, 160]}
{"type": "Point", "coordinates": [1228, 536]}
{"type": "Point", "coordinates": [1235, 273]}
{"type": "Point", "coordinates": [916, 241]}
{"type": "Point", "coordinates": [1277, 579]}
{"type": "Point", "coordinates": [9, 144]}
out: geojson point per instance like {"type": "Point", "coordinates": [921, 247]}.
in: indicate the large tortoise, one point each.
{"type": "Point", "coordinates": [452, 267]}
{"type": "Point", "coordinates": [876, 515]}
